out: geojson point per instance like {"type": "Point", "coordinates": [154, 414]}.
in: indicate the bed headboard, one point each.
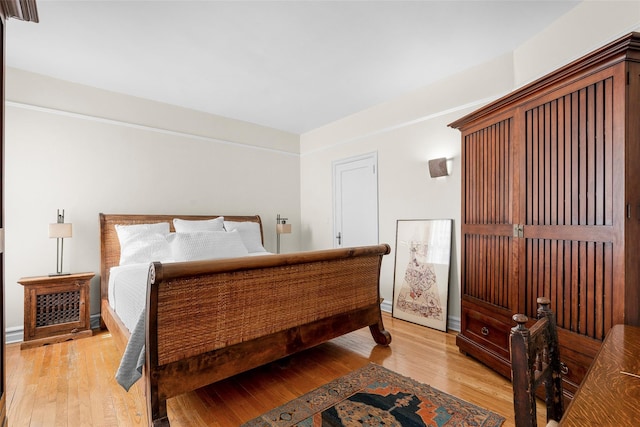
{"type": "Point", "coordinates": [110, 246]}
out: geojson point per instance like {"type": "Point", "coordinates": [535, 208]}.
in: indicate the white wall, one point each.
{"type": "Point", "coordinates": [587, 27]}
{"type": "Point", "coordinates": [89, 151]}
{"type": "Point", "coordinates": [408, 131]}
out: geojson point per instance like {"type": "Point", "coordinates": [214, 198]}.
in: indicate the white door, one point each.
{"type": "Point", "coordinates": [355, 195]}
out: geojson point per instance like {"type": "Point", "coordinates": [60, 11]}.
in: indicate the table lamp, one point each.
{"type": "Point", "coordinates": [59, 230]}
{"type": "Point", "coordinates": [281, 228]}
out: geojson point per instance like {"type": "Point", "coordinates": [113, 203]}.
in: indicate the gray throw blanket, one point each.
{"type": "Point", "coordinates": [130, 369]}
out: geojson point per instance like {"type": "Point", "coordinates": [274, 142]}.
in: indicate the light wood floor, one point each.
{"type": "Point", "coordinates": [72, 383]}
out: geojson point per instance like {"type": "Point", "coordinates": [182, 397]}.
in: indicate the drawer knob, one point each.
{"type": "Point", "coordinates": [484, 331]}
{"type": "Point", "coordinates": [564, 369]}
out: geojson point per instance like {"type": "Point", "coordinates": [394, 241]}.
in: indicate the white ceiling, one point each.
{"type": "Point", "coordinates": [293, 66]}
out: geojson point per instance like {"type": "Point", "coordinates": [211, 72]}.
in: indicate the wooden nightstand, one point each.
{"type": "Point", "coordinates": [56, 308]}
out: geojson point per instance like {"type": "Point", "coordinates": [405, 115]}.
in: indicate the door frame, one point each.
{"type": "Point", "coordinates": [373, 157]}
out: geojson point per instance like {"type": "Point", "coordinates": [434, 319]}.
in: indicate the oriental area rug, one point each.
{"type": "Point", "coordinates": [376, 396]}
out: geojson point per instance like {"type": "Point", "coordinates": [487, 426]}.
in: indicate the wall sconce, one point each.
{"type": "Point", "coordinates": [59, 230]}
{"type": "Point", "coordinates": [281, 228]}
{"type": "Point", "coordinates": [438, 167]}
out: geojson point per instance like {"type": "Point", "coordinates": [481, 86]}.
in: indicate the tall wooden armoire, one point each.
{"type": "Point", "coordinates": [551, 207]}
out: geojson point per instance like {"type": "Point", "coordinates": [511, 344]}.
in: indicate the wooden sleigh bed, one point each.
{"type": "Point", "coordinates": [209, 320]}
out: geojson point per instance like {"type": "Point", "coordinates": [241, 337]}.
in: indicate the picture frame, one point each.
{"type": "Point", "coordinates": [421, 271]}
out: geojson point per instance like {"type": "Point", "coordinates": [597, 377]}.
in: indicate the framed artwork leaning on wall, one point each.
{"type": "Point", "coordinates": [421, 278]}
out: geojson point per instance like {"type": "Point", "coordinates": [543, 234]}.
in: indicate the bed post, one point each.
{"type": "Point", "coordinates": [379, 333]}
{"type": "Point", "coordinates": [156, 407]}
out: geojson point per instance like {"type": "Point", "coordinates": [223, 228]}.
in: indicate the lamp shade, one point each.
{"type": "Point", "coordinates": [60, 230]}
{"type": "Point", "coordinates": [283, 228]}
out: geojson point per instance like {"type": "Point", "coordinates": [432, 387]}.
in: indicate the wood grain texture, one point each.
{"type": "Point", "coordinates": [609, 396]}
{"type": "Point", "coordinates": [79, 376]}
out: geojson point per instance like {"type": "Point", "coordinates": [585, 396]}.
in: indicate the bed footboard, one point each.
{"type": "Point", "coordinates": [210, 320]}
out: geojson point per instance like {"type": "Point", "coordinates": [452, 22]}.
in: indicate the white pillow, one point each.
{"type": "Point", "coordinates": [143, 243]}
{"type": "Point", "coordinates": [250, 233]}
{"type": "Point", "coordinates": [191, 226]}
{"type": "Point", "coordinates": [206, 245]}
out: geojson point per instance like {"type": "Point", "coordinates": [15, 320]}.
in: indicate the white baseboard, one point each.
{"type": "Point", "coordinates": [16, 334]}
{"type": "Point", "coordinates": [386, 306]}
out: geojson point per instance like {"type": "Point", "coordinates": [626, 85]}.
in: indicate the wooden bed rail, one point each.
{"type": "Point", "coordinates": [195, 268]}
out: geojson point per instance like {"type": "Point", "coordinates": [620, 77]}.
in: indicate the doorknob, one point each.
{"type": "Point", "coordinates": [339, 237]}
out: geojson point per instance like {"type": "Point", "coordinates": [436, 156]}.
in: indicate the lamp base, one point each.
{"type": "Point", "coordinates": [58, 274]}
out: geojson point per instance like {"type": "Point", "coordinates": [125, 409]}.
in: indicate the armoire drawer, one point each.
{"type": "Point", "coordinates": [574, 367]}
{"type": "Point", "coordinates": [487, 331]}
{"type": "Point", "coordinates": [572, 374]}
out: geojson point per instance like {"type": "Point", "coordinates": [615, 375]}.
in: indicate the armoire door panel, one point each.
{"type": "Point", "coordinates": [488, 211]}
{"type": "Point", "coordinates": [568, 230]}
{"type": "Point", "coordinates": [487, 181]}
{"type": "Point", "coordinates": [577, 277]}
{"type": "Point", "coordinates": [488, 268]}
{"type": "Point", "coordinates": [569, 158]}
